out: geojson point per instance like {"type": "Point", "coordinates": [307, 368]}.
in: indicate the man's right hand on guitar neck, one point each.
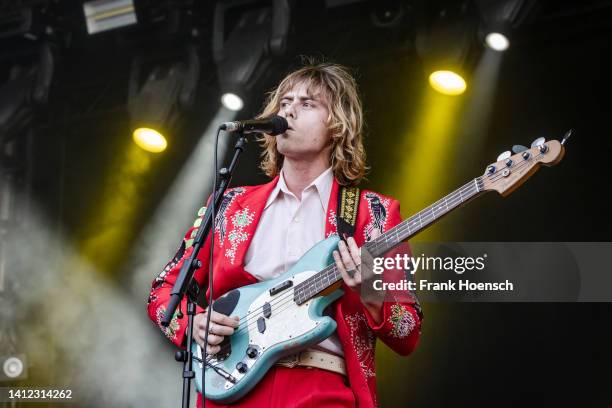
{"type": "Point", "coordinates": [220, 326]}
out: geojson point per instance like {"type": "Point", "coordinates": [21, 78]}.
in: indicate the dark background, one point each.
{"type": "Point", "coordinates": [554, 77]}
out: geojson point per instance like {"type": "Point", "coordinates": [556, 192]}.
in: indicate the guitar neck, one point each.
{"type": "Point", "coordinates": [392, 238]}
{"type": "Point", "coordinates": [424, 218]}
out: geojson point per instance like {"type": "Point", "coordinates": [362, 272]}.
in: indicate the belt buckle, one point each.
{"type": "Point", "coordinates": [290, 361]}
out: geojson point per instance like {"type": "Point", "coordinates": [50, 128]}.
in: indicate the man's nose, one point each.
{"type": "Point", "coordinates": [289, 111]}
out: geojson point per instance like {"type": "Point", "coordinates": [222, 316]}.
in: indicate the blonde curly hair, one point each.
{"type": "Point", "coordinates": [345, 121]}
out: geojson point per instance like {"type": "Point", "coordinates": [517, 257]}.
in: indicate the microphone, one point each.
{"type": "Point", "coordinates": [273, 126]}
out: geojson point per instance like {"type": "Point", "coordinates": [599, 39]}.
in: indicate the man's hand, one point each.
{"type": "Point", "coordinates": [348, 262]}
{"type": "Point", "coordinates": [220, 326]}
{"type": "Point", "coordinates": [355, 271]}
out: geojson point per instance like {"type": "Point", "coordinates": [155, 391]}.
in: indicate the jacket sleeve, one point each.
{"type": "Point", "coordinates": [162, 285]}
{"type": "Point", "coordinates": [400, 325]}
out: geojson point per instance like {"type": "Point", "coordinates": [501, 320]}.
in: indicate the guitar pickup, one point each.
{"type": "Point", "coordinates": [267, 310]}
{"type": "Point", "coordinates": [277, 289]}
{"type": "Point", "coordinates": [261, 324]}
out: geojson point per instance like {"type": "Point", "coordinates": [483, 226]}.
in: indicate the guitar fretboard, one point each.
{"type": "Point", "coordinates": [390, 239]}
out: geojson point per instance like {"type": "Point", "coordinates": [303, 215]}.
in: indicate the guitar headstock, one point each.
{"type": "Point", "coordinates": [510, 171]}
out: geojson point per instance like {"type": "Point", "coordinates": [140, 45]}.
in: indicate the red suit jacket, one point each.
{"type": "Point", "coordinates": [357, 330]}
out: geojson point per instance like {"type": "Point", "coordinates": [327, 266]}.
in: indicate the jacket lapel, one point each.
{"type": "Point", "coordinates": [331, 227]}
{"type": "Point", "coordinates": [249, 209]}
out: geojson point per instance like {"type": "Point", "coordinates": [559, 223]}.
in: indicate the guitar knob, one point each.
{"type": "Point", "coordinates": [538, 142]}
{"type": "Point", "coordinates": [526, 155]}
{"type": "Point", "coordinates": [491, 169]}
{"type": "Point", "coordinates": [251, 352]}
{"type": "Point", "coordinates": [180, 356]}
{"type": "Point", "coordinates": [518, 148]}
{"type": "Point", "coordinates": [508, 162]}
{"type": "Point", "coordinates": [504, 155]}
{"type": "Point", "coordinates": [241, 367]}
{"type": "Point", "coordinates": [543, 148]}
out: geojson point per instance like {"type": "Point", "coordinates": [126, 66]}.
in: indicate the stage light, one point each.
{"type": "Point", "coordinates": [448, 48]}
{"type": "Point", "coordinates": [243, 52]}
{"type": "Point", "coordinates": [447, 82]}
{"type": "Point", "coordinates": [14, 367]}
{"type": "Point", "coordinates": [500, 20]}
{"type": "Point", "coordinates": [497, 41]}
{"type": "Point", "coordinates": [154, 108]}
{"type": "Point", "coordinates": [161, 92]}
{"type": "Point", "coordinates": [150, 140]}
{"type": "Point", "coordinates": [103, 15]}
{"type": "Point", "coordinates": [232, 101]}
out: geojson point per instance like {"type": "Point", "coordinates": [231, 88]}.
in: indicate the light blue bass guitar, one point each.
{"type": "Point", "coordinates": [284, 315]}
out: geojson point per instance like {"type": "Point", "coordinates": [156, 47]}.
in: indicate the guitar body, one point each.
{"type": "Point", "coordinates": [271, 323]}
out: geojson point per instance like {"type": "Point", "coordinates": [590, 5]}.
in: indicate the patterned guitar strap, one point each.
{"type": "Point", "coordinates": [346, 216]}
{"type": "Point", "coordinates": [346, 219]}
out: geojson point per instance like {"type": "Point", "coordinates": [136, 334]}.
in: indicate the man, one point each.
{"type": "Point", "coordinates": [261, 231]}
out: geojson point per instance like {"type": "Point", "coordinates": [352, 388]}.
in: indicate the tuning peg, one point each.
{"type": "Point", "coordinates": [518, 148]}
{"type": "Point", "coordinates": [567, 136]}
{"type": "Point", "coordinates": [538, 142]}
{"type": "Point", "coordinates": [504, 155]}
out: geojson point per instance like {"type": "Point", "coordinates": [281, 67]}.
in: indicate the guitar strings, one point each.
{"type": "Point", "coordinates": [251, 320]}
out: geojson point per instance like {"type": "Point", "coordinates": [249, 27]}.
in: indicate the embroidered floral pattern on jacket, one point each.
{"type": "Point", "coordinates": [402, 321]}
{"type": "Point", "coordinates": [221, 215]}
{"type": "Point", "coordinates": [196, 225]}
{"type": "Point", "coordinates": [172, 328]}
{"type": "Point", "coordinates": [378, 208]}
{"type": "Point", "coordinates": [333, 221]}
{"type": "Point", "coordinates": [363, 340]}
{"type": "Point", "coordinates": [240, 220]}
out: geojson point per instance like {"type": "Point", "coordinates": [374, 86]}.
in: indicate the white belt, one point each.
{"type": "Point", "coordinates": [314, 358]}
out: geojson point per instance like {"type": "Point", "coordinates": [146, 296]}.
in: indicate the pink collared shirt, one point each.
{"type": "Point", "coordinates": [287, 229]}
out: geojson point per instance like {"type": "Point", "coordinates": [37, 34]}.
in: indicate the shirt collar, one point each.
{"type": "Point", "coordinates": [323, 185]}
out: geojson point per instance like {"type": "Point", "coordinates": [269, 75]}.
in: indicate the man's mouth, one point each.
{"type": "Point", "coordinates": [286, 132]}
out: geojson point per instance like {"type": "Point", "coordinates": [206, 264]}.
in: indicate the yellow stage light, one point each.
{"type": "Point", "coordinates": [447, 82]}
{"type": "Point", "coordinates": [150, 140]}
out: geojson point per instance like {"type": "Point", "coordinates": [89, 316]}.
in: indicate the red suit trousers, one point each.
{"type": "Point", "coordinates": [297, 387]}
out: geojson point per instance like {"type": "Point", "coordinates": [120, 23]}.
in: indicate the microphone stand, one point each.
{"type": "Point", "coordinates": [185, 283]}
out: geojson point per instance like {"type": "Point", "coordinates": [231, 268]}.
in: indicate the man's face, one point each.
{"type": "Point", "coordinates": [307, 136]}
